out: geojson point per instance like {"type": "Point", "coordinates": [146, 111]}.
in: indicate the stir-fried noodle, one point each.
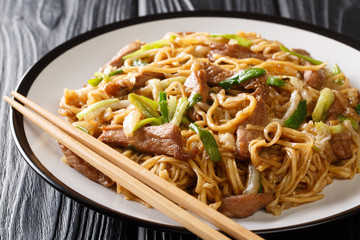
{"type": "Point", "coordinates": [286, 132]}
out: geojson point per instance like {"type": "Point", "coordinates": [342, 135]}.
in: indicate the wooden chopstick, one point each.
{"type": "Point", "coordinates": [118, 175]}
{"type": "Point", "coordinates": [167, 189]}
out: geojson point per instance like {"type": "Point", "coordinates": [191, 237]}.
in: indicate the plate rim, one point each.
{"type": "Point", "coordinates": [23, 87]}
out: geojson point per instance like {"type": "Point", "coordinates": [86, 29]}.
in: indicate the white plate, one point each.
{"type": "Point", "coordinates": [72, 63]}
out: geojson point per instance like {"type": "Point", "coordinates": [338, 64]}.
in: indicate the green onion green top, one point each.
{"type": "Point", "coordinates": [306, 58]}
{"type": "Point", "coordinates": [194, 99]}
{"type": "Point", "coordinates": [323, 104]}
{"type": "Point", "coordinates": [146, 106]}
{"type": "Point", "coordinates": [157, 44]}
{"type": "Point", "coordinates": [138, 63]}
{"type": "Point", "coordinates": [117, 71]}
{"type": "Point", "coordinates": [164, 107]}
{"type": "Point", "coordinates": [354, 123]}
{"type": "Point", "coordinates": [209, 142]}
{"type": "Point", "coordinates": [240, 40]}
{"type": "Point", "coordinates": [357, 109]}
{"type": "Point", "coordinates": [143, 122]}
{"type": "Point", "coordinates": [241, 77]}
{"type": "Point", "coordinates": [95, 106]}
{"type": "Point", "coordinates": [274, 81]}
{"type": "Point", "coordinates": [298, 117]}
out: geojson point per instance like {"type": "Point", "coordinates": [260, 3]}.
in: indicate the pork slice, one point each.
{"type": "Point", "coordinates": [341, 145]}
{"type": "Point", "coordinates": [245, 136]}
{"type": "Point", "coordinates": [242, 206]}
{"type": "Point", "coordinates": [163, 139]}
{"type": "Point", "coordinates": [142, 77]}
{"type": "Point", "coordinates": [233, 51]}
{"type": "Point", "coordinates": [117, 61]}
{"type": "Point", "coordinates": [196, 83]}
{"type": "Point", "coordinates": [215, 74]}
{"type": "Point", "coordinates": [117, 88]}
{"type": "Point", "coordinates": [84, 168]}
{"type": "Point", "coordinates": [335, 109]}
{"type": "Point", "coordinates": [314, 79]}
{"type": "Point", "coordinates": [260, 88]}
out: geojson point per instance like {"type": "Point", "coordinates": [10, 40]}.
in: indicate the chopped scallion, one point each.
{"type": "Point", "coordinates": [240, 40]}
{"type": "Point", "coordinates": [209, 142]}
{"type": "Point", "coordinates": [306, 58]}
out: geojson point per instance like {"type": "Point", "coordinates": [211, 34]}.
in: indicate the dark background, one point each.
{"type": "Point", "coordinates": [32, 209]}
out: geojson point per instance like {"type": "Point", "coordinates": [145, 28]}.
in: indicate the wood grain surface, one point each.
{"type": "Point", "coordinates": [32, 209]}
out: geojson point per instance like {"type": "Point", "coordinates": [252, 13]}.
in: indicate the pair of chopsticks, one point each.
{"type": "Point", "coordinates": [156, 191]}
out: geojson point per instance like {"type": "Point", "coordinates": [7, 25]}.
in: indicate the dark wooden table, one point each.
{"type": "Point", "coordinates": [32, 209]}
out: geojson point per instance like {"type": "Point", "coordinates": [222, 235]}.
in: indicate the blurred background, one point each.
{"type": "Point", "coordinates": [32, 209]}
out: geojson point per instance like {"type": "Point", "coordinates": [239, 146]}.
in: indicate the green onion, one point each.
{"type": "Point", "coordinates": [209, 142]}
{"type": "Point", "coordinates": [152, 121]}
{"type": "Point", "coordinates": [139, 63]}
{"type": "Point", "coordinates": [357, 109]}
{"type": "Point", "coordinates": [315, 147]}
{"type": "Point", "coordinates": [241, 77]}
{"type": "Point", "coordinates": [306, 58]}
{"type": "Point", "coordinates": [354, 123]}
{"type": "Point", "coordinates": [185, 121]}
{"type": "Point", "coordinates": [131, 147]}
{"type": "Point", "coordinates": [157, 44]}
{"type": "Point", "coordinates": [336, 70]}
{"type": "Point", "coordinates": [102, 75]}
{"type": "Point", "coordinates": [94, 81]}
{"type": "Point", "coordinates": [339, 81]}
{"type": "Point", "coordinates": [335, 129]}
{"type": "Point", "coordinates": [96, 106]}
{"type": "Point", "coordinates": [99, 76]}
{"type": "Point", "coordinates": [179, 111]}
{"type": "Point", "coordinates": [323, 104]}
{"type": "Point", "coordinates": [295, 120]}
{"type": "Point", "coordinates": [240, 40]}
{"type": "Point", "coordinates": [172, 106]}
{"type": "Point", "coordinates": [82, 128]}
{"type": "Point", "coordinates": [172, 37]}
{"type": "Point", "coordinates": [194, 99]}
{"type": "Point", "coordinates": [164, 107]}
{"type": "Point", "coordinates": [146, 106]}
{"type": "Point", "coordinates": [274, 81]}
{"type": "Point", "coordinates": [117, 71]}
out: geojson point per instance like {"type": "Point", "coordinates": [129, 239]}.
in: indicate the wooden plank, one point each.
{"type": "Point", "coordinates": [339, 16]}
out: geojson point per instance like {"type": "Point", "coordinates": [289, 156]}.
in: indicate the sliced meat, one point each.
{"type": "Point", "coordinates": [117, 88]}
{"type": "Point", "coordinates": [196, 83]}
{"type": "Point", "coordinates": [335, 110]}
{"type": "Point", "coordinates": [242, 206]}
{"type": "Point", "coordinates": [260, 88]}
{"type": "Point", "coordinates": [314, 79]}
{"type": "Point", "coordinates": [84, 168]}
{"type": "Point", "coordinates": [233, 51]}
{"type": "Point", "coordinates": [163, 139]}
{"type": "Point", "coordinates": [117, 61]}
{"type": "Point", "coordinates": [245, 136]}
{"type": "Point", "coordinates": [341, 145]}
{"type": "Point", "coordinates": [215, 74]}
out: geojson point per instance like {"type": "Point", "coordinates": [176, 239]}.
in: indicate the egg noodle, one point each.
{"type": "Point", "coordinates": [294, 164]}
